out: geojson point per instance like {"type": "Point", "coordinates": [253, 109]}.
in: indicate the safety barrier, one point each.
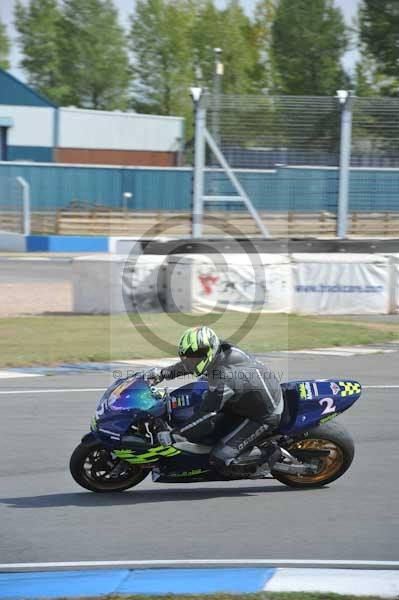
{"type": "Point", "coordinates": [151, 223]}
{"type": "Point", "coordinates": [299, 283]}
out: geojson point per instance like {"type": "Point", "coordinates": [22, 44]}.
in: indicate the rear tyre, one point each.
{"type": "Point", "coordinates": [330, 436]}
{"type": "Point", "coordinates": [94, 468]}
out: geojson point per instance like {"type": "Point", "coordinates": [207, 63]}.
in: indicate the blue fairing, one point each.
{"type": "Point", "coordinates": [308, 402]}
{"type": "Point", "coordinates": [314, 401]}
{"type": "Point", "coordinates": [122, 402]}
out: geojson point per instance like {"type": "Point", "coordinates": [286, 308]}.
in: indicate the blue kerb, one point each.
{"type": "Point", "coordinates": [72, 243]}
{"type": "Point", "coordinates": [124, 581]}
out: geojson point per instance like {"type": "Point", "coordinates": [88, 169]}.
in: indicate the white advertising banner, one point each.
{"type": "Point", "coordinates": [111, 284]}
{"type": "Point", "coordinates": [338, 285]}
{"type": "Point", "coordinates": [395, 274]}
{"type": "Point", "coordinates": [234, 282]}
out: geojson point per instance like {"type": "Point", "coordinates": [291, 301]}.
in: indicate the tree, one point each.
{"type": "Point", "coordinates": [172, 40]}
{"type": "Point", "coordinates": [4, 47]}
{"type": "Point", "coordinates": [74, 55]}
{"type": "Point", "coordinates": [265, 72]}
{"type": "Point", "coordinates": [38, 24]}
{"type": "Point", "coordinates": [379, 46]}
{"type": "Point", "coordinates": [309, 40]}
{"type": "Point", "coordinates": [93, 51]}
{"type": "Point", "coordinates": [163, 59]}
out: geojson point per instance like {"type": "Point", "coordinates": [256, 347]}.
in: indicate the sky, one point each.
{"type": "Point", "coordinates": [348, 7]}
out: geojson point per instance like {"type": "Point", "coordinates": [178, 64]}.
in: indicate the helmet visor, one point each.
{"type": "Point", "coordinates": [195, 362]}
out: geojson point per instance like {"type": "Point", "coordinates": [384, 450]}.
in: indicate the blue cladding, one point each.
{"type": "Point", "coordinates": [283, 189]}
{"type": "Point", "coordinates": [14, 92]}
{"type": "Point", "coordinates": [31, 153]}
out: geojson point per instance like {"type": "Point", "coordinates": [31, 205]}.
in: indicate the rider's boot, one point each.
{"type": "Point", "coordinates": [269, 454]}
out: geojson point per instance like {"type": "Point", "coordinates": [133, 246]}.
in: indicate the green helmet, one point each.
{"type": "Point", "coordinates": [198, 347]}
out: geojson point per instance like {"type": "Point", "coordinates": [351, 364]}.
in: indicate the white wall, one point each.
{"type": "Point", "coordinates": [12, 242]}
{"type": "Point", "coordinates": [93, 129]}
{"type": "Point", "coordinates": [33, 125]}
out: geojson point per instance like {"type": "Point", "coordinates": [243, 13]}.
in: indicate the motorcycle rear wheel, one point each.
{"type": "Point", "coordinates": [92, 468]}
{"type": "Point", "coordinates": [329, 436]}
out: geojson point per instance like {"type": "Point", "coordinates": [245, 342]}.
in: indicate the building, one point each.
{"type": "Point", "coordinates": [34, 129]}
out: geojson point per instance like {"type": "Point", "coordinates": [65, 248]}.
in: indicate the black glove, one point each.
{"type": "Point", "coordinates": [153, 376]}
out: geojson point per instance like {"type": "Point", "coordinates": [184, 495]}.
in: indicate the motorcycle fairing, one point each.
{"type": "Point", "coordinates": [184, 400]}
{"type": "Point", "coordinates": [183, 468]}
{"type": "Point", "coordinates": [307, 402]}
{"type": "Point", "coordinates": [314, 401]}
{"type": "Point", "coordinates": [150, 455]}
{"type": "Point", "coordinates": [123, 402]}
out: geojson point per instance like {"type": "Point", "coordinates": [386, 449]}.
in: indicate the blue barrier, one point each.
{"type": "Point", "coordinates": [66, 243]}
{"type": "Point", "coordinates": [282, 189]}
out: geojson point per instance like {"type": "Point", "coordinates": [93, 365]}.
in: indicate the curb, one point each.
{"type": "Point", "coordinates": [95, 582]}
{"type": "Point", "coordinates": [123, 366]}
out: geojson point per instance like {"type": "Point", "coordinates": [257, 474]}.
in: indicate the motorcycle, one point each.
{"type": "Point", "coordinates": [122, 449]}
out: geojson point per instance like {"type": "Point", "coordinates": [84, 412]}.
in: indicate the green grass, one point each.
{"type": "Point", "coordinates": [54, 339]}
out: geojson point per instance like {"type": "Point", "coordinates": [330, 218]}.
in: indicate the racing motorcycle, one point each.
{"type": "Point", "coordinates": [122, 448]}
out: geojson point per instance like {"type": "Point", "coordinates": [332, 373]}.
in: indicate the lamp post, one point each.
{"type": "Point", "coordinates": [345, 99]}
{"type": "Point", "coordinates": [125, 198]}
{"type": "Point", "coordinates": [216, 91]}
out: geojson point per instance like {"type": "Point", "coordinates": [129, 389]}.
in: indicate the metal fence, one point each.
{"type": "Point", "coordinates": [295, 153]}
{"type": "Point", "coordinates": [14, 204]}
{"type": "Point", "coordinates": [292, 156]}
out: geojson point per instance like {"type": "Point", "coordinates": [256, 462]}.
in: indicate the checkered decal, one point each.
{"type": "Point", "coordinates": [349, 388]}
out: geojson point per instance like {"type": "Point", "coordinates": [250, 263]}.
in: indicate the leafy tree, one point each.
{"type": "Point", "coordinates": [309, 40]}
{"type": "Point", "coordinates": [94, 59]}
{"type": "Point", "coordinates": [379, 45]}
{"type": "Point", "coordinates": [38, 24]}
{"type": "Point", "coordinates": [265, 72]}
{"type": "Point", "coordinates": [4, 47]}
{"type": "Point", "coordinates": [174, 40]}
{"type": "Point", "coordinates": [74, 55]}
{"type": "Point", "coordinates": [240, 54]}
{"type": "Point", "coordinates": [163, 58]}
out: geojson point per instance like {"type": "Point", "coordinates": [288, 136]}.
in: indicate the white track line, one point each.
{"type": "Point", "coordinates": [380, 387]}
{"type": "Point", "coordinates": [18, 374]}
{"type": "Point", "coordinates": [351, 564]}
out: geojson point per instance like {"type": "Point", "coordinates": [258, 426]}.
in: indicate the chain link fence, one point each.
{"type": "Point", "coordinates": [287, 153]}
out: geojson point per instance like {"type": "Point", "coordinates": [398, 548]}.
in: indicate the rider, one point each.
{"type": "Point", "coordinates": [240, 390]}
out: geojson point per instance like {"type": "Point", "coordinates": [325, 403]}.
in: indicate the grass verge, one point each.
{"type": "Point", "coordinates": [54, 339]}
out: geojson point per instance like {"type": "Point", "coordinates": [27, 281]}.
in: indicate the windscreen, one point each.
{"type": "Point", "coordinates": [131, 393]}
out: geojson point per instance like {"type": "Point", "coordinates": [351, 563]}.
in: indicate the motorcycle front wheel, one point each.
{"type": "Point", "coordinates": [329, 436]}
{"type": "Point", "coordinates": [94, 468]}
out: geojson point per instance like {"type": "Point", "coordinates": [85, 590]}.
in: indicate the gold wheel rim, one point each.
{"type": "Point", "coordinates": [330, 464]}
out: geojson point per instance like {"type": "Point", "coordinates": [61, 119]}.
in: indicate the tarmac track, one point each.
{"type": "Point", "coordinates": [45, 516]}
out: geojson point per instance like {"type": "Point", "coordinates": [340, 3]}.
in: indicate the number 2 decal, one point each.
{"type": "Point", "coordinates": [330, 406]}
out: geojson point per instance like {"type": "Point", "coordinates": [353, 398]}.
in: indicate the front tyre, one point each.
{"type": "Point", "coordinates": [329, 436]}
{"type": "Point", "coordinates": [94, 468]}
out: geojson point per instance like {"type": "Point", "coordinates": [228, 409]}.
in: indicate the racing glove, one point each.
{"type": "Point", "coordinates": [153, 376]}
